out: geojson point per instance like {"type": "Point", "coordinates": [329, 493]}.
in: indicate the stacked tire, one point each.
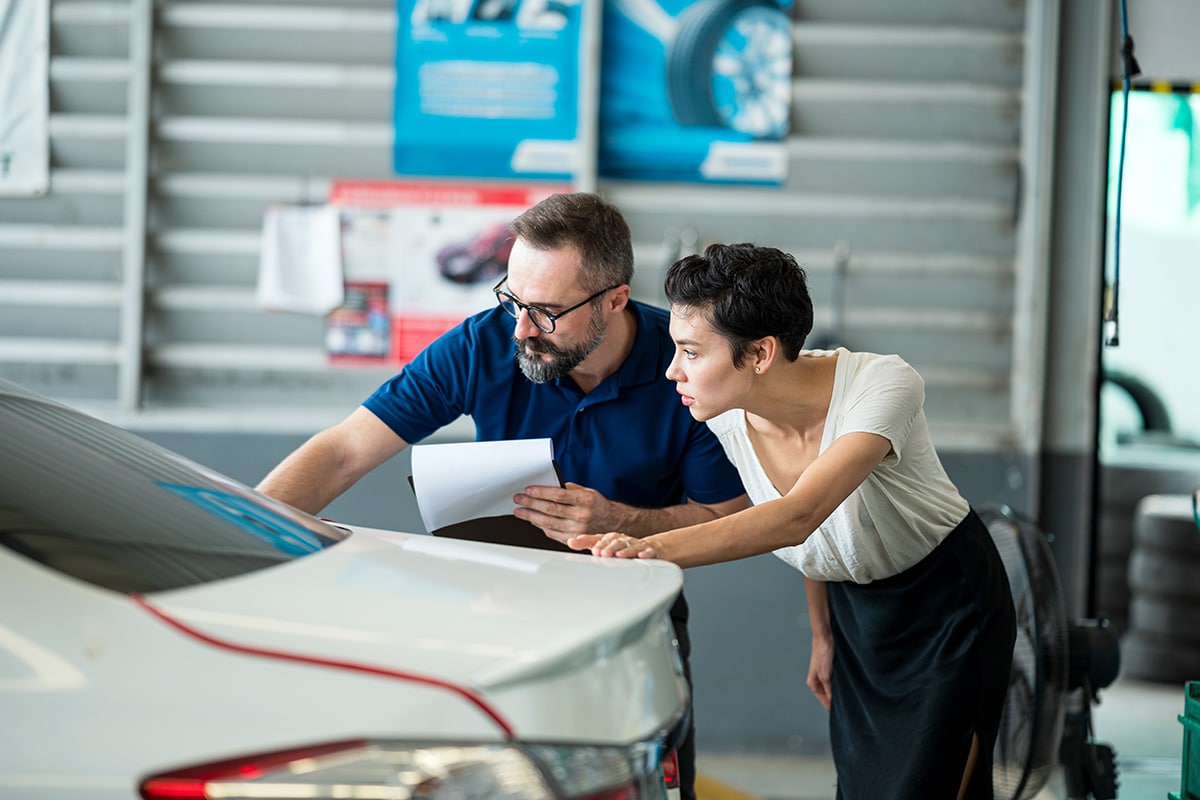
{"type": "Point", "coordinates": [1123, 484]}
{"type": "Point", "coordinates": [1162, 642]}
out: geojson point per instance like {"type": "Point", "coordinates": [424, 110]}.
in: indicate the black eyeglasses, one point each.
{"type": "Point", "coordinates": [543, 319]}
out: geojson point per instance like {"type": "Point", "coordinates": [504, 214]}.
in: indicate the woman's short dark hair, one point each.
{"type": "Point", "coordinates": [590, 224]}
{"type": "Point", "coordinates": [748, 292]}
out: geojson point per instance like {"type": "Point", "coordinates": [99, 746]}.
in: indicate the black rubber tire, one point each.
{"type": "Point", "coordinates": [1158, 658]}
{"type": "Point", "coordinates": [1152, 409]}
{"type": "Point", "coordinates": [690, 56]}
{"type": "Point", "coordinates": [1165, 617]}
{"type": "Point", "coordinates": [1160, 574]}
{"type": "Point", "coordinates": [1165, 522]}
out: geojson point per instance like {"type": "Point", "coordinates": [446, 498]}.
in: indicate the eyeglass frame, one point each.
{"type": "Point", "coordinates": [526, 307]}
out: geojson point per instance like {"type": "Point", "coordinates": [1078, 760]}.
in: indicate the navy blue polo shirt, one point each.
{"type": "Point", "coordinates": [630, 438]}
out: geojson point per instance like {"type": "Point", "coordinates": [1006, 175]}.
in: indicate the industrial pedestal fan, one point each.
{"type": "Point", "coordinates": [1058, 666]}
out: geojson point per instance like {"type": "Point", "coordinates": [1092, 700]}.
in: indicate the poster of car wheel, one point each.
{"type": "Point", "coordinates": [418, 258]}
{"type": "Point", "coordinates": [689, 90]}
{"type": "Point", "coordinates": [696, 90]}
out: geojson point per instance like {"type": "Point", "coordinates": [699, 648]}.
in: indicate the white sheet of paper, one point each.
{"type": "Point", "coordinates": [460, 481]}
{"type": "Point", "coordinates": [300, 265]}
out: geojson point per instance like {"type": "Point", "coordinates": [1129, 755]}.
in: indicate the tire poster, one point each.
{"type": "Point", "coordinates": [417, 259]}
{"type": "Point", "coordinates": [696, 90]}
{"type": "Point", "coordinates": [24, 98]}
{"type": "Point", "coordinates": [488, 88]}
{"type": "Point", "coordinates": [690, 90]}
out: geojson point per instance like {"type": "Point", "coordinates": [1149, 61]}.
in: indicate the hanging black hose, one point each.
{"type": "Point", "coordinates": [1129, 69]}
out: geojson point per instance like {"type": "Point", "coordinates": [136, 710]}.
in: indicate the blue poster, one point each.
{"type": "Point", "coordinates": [487, 88]}
{"type": "Point", "coordinates": [696, 90]}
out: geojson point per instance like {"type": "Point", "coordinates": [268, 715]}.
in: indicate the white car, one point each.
{"type": "Point", "coordinates": [166, 632]}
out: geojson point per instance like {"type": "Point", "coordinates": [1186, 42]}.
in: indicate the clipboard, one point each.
{"type": "Point", "coordinates": [505, 529]}
{"type": "Point", "coordinates": [498, 486]}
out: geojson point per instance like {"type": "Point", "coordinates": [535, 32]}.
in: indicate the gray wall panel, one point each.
{"type": "Point", "coordinates": [906, 147]}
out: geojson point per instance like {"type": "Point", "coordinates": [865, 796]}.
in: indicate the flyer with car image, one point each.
{"type": "Point", "coordinates": [418, 258]}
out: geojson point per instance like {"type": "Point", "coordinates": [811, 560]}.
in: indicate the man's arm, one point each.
{"type": "Point", "coordinates": [645, 521]}
{"type": "Point", "coordinates": [572, 510]}
{"type": "Point", "coordinates": [332, 461]}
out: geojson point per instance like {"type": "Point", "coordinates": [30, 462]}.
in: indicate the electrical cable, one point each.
{"type": "Point", "coordinates": [1129, 68]}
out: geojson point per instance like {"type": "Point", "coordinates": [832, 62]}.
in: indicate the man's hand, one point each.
{"type": "Point", "coordinates": [569, 511]}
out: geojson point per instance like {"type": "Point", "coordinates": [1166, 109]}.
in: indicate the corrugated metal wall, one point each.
{"type": "Point", "coordinates": [129, 289]}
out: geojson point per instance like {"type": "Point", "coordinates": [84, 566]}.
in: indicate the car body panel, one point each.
{"type": "Point", "coordinates": [510, 622]}
{"type": "Point", "coordinates": [304, 633]}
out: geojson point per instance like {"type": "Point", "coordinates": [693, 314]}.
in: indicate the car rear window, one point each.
{"type": "Point", "coordinates": [105, 506]}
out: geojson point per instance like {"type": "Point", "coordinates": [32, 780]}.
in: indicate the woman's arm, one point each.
{"type": "Point", "coordinates": [820, 664]}
{"type": "Point", "coordinates": [790, 520]}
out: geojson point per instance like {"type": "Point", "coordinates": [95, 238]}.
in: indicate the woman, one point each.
{"type": "Point", "coordinates": [911, 613]}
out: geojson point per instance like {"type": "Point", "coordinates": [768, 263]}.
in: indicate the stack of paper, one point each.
{"type": "Point", "coordinates": [465, 489]}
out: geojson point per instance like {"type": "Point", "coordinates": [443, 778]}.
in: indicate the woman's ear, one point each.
{"type": "Point", "coordinates": [766, 350]}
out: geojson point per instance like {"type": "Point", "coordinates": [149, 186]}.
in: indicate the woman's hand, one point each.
{"type": "Point", "coordinates": [614, 545]}
{"type": "Point", "coordinates": [820, 670]}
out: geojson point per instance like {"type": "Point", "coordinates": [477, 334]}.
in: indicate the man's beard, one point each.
{"type": "Point", "coordinates": [564, 359]}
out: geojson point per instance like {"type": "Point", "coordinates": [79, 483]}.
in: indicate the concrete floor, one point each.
{"type": "Point", "coordinates": [1139, 720]}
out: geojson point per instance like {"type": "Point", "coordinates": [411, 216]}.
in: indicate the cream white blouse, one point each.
{"type": "Point", "coordinates": [904, 508]}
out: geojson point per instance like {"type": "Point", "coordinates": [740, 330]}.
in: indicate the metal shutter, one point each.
{"type": "Point", "coordinates": [917, 131]}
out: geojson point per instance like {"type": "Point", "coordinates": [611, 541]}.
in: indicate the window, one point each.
{"type": "Point", "coordinates": [105, 506]}
{"type": "Point", "coordinates": [1159, 281]}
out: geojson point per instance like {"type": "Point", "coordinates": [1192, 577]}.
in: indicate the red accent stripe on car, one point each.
{"type": "Point", "coordinates": [462, 691]}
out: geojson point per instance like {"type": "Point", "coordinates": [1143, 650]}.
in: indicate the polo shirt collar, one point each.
{"type": "Point", "coordinates": [642, 365]}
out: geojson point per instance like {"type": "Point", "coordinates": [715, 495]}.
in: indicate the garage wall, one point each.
{"type": "Point", "coordinates": [921, 133]}
{"type": "Point", "coordinates": [128, 289]}
{"type": "Point", "coordinates": [1067, 464]}
{"type": "Point", "coordinates": [1163, 34]}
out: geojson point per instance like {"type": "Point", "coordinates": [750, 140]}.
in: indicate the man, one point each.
{"type": "Point", "coordinates": [584, 365]}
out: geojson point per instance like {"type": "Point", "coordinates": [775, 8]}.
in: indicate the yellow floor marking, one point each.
{"type": "Point", "coordinates": [710, 789]}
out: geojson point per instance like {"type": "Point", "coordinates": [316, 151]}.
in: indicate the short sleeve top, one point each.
{"type": "Point", "coordinates": [904, 508]}
{"type": "Point", "coordinates": [629, 438]}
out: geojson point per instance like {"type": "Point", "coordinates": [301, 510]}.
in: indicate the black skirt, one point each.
{"type": "Point", "coordinates": [921, 662]}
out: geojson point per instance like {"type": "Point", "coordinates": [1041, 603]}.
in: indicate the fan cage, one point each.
{"type": "Point", "coordinates": [1031, 724]}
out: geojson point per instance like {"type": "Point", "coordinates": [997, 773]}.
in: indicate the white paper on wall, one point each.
{"type": "Point", "coordinates": [300, 268]}
{"type": "Point", "coordinates": [24, 97]}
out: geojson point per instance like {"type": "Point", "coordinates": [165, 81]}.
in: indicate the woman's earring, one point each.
{"type": "Point", "coordinates": [758, 369]}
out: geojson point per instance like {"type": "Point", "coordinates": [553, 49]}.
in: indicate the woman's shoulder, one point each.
{"type": "Point", "coordinates": [729, 423]}
{"type": "Point", "coordinates": [878, 367]}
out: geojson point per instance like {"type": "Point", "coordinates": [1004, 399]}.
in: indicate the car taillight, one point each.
{"type": "Point", "coordinates": [670, 767]}
{"type": "Point", "coordinates": [402, 771]}
{"type": "Point", "coordinates": [604, 773]}
{"type": "Point", "coordinates": [195, 782]}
